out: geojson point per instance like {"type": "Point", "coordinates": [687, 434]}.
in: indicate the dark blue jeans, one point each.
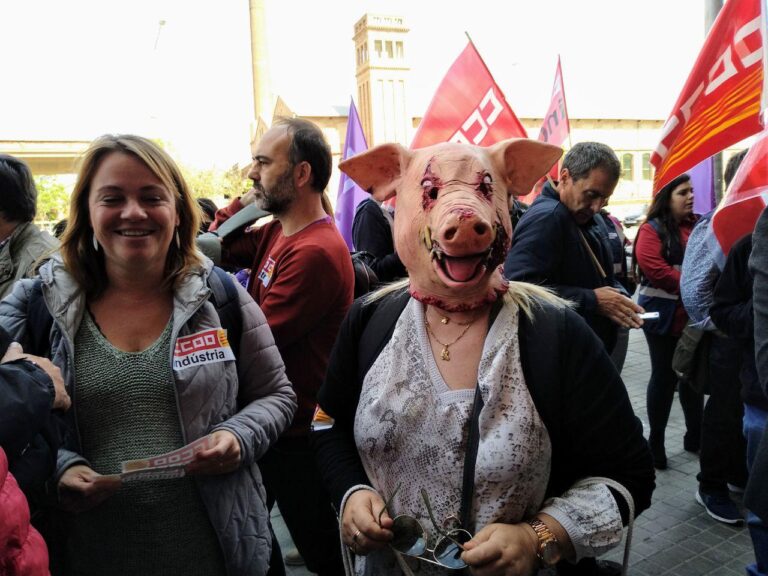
{"type": "Point", "coordinates": [755, 421]}
{"type": "Point", "coordinates": [661, 391]}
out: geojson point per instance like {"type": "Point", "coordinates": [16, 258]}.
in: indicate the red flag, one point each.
{"type": "Point", "coordinates": [720, 103]}
{"type": "Point", "coordinates": [468, 107]}
{"type": "Point", "coordinates": [745, 198]}
{"type": "Point", "coordinates": [555, 129]}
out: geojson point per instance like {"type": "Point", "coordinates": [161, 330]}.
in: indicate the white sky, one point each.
{"type": "Point", "coordinates": [74, 69]}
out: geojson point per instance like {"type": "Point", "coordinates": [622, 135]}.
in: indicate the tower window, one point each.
{"type": "Point", "coordinates": [377, 48]}
{"type": "Point", "coordinates": [399, 50]}
{"type": "Point", "coordinates": [390, 51]}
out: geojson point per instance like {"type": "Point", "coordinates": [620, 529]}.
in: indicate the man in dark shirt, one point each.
{"type": "Point", "coordinates": [559, 243]}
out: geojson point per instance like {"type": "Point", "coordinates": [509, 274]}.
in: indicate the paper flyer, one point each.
{"type": "Point", "coordinates": [161, 467]}
{"type": "Point", "coordinates": [176, 459]}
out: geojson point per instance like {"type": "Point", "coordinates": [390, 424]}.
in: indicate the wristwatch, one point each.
{"type": "Point", "coordinates": [549, 548]}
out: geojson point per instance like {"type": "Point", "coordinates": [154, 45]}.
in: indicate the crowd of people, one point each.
{"type": "Point", "coordinates": [467, 415]}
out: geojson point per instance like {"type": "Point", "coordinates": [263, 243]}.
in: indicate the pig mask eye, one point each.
{"type": "Point", "coordinates": [486, 185]}
{"type": "Point", "coordinates": [430, 189]}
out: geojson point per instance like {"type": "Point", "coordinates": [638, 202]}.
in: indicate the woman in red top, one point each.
{"type": "Point", "coordinates": [658, 256]}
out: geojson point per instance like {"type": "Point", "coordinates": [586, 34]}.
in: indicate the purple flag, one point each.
{"type": "Point", "coordinates": [703, 182]}
{"type": "Point", "coordinates": [350, 194]}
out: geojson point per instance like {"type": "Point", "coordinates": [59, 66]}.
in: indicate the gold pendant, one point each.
{"type": "Point", "coordinates": [445, 355]}
{"type": "Point", "coordinates": [444, 320]}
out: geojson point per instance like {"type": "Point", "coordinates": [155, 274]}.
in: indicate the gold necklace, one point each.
{"type": "Point", "coordinates": [446, 320]}
{"type": "Point", "coordinates": [445, 354]}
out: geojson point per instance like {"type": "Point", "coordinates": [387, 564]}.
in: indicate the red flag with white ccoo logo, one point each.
{"type": "Point", "coordinates": [468, 107]}
{"type": "Point", "coordinates": [721, 101]}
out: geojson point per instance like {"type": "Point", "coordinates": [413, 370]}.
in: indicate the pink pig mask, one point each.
{"type": "Point", "coordinates": [452, 228]}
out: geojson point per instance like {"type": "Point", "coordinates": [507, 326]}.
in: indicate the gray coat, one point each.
{"type": "Point", "coordinates": [19, 257]}
{"type": "Point", "coordinates": [255, 401]}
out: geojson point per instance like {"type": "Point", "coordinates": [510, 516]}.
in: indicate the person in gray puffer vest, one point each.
{"type": "Point", "coordinates": [150, 368]}
{"type": "Point", "coordinates": [21, 242]}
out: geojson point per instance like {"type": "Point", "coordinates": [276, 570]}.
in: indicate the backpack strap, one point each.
{"type": "Point", "coordinates": [365, 278]}
{"type": "Point", "coordinates": [379, 326]}
{"type": "Point", "coordinates": [545, 331]}
{"type": "Point", "coordinates": [227, 304]}
{"type": "Point", "coordinates": [39, 323]}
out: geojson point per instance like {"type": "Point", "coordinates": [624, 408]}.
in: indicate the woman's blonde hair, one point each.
{"type": "Point", "coordinates": [83, 261]}
{"type": "Point", "coordinates": [526, 296]}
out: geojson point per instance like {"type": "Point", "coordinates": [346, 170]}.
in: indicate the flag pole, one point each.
{"type": "Point", "coordinates": [565, 102]}
{"type": "Point", "coordinates": [481, 59]}
{"type": "Point", "coordinates": [488, 70]}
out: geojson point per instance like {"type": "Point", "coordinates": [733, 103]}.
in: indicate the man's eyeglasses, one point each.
{"type": "Point", "coordinates": [411, 539]}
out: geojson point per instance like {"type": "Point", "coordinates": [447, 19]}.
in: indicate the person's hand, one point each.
{"type": "Point", "coordinates": [502, 549]}
{"type": "Point", "coordinates": [249, 197]}
{"type": "Point", "coordinates": [61, 400]}
{"type": "Point", "coordinates": [620, 309]}
{"type": "Point", "coordinates": [360, 529]}
{"type": "Point", "coordinates": [81, 488]}
{"type": "Point", "coordinates": [222, 457]}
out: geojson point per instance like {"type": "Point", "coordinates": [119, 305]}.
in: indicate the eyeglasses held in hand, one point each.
{"type": "Point", "coordinates": [411, 539]}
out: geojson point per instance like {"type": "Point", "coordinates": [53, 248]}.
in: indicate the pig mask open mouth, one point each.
{"type": "Point", "coordinates": [455, 270]}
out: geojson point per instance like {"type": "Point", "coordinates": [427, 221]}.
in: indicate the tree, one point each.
{"type": "Point", "coordinates": [213, 183]}
{"type": "Point", "coordinates": [52, 198]}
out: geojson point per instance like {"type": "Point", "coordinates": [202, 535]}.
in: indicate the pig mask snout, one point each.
{"type": "Point", "coordinates": [465, 232]}
{"type": "Point", "coordinates": [465, 246]}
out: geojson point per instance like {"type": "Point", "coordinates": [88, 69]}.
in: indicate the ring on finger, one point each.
{"type": "Point", "coordinates": [353, 546]}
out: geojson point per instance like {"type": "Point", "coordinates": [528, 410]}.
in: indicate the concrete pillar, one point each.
{"type": "Point", "coordinates": [263, 104]}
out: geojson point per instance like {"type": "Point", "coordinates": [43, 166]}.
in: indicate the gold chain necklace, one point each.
{"type": "Point", "coordinates": [445, 354]}
{"type": "Point", "coordinates": [445, 320]}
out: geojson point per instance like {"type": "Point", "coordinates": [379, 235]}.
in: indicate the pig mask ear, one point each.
{"type": "Point", "coordinates": [379, 170]}
{"type": "Point", "coordinates": [521, 162]}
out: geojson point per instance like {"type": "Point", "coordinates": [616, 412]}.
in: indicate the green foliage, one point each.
{"type": "Point", "coordinates": [213, 183]}
{"type": "Point", "coordinates": [52, 198]}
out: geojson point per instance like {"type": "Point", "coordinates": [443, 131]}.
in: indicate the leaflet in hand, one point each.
{"type": "Point", "coordinates": [163, 466]}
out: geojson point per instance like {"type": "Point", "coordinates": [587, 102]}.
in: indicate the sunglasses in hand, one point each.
{"type": "Point", "coordinates": [412, 539]}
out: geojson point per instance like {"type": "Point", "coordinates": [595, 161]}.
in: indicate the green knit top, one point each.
{"type": "Point", "coordinates": [126, 409]}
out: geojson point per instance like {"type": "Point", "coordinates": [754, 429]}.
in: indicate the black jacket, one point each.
{"type": "Point", "coordinates": [28, 429]}
{"type": "Point", "coordinates": [756, 496]}
{"type": "Point", "coordinates": [547, 249]}
{"type": "Point", "coordinates": [574, 385]}
{"type": "Point", "coordinates": [372, 233]}
{"type": "Point", "coordinates": [731, 312]}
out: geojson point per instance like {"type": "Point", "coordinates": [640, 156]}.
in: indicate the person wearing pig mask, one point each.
{"type": "Point", "coordinates": [464, 419]}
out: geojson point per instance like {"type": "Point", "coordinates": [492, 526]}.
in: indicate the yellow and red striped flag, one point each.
{"type": "Point", "coordinates": [721, 102]}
